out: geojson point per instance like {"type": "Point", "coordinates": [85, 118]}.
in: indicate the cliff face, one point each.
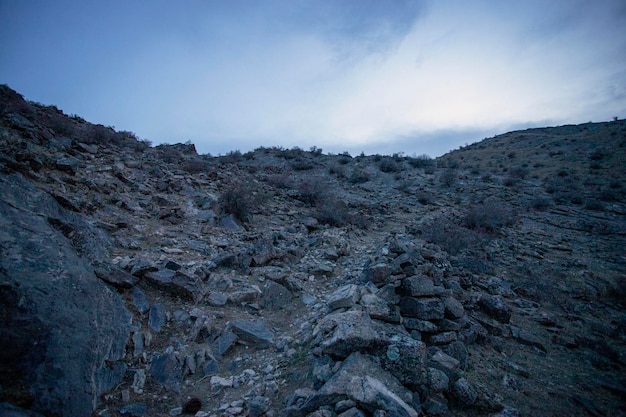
{"type": "Point", "coordinates": [138, 280]}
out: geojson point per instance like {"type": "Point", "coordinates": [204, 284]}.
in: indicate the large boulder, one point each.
{"type": "Point", "coordinates": [63, 330]}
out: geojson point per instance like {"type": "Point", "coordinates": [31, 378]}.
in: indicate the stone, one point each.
{"type": "Point", "coordinates": [258, 406]}
{"type": "Point", "coordinates": [464, 392]}
{"type": "Point", "coordinates": [253, 332]}
{"type": "Point", "coordinates": [422, 308]}
{"type": "Point", "coordinates": [438, 381]}
{"type": "Point", "coordinates": [444, 362]}
{"type": "Point", "coordinates": [275, 296]}
{"type": "Point", "coordinates": [527, 338]}
{"type": "Point", "coordinates": [495, 307]}
{"type": "Point", "coordinates": [140, 300]}
{"type": "Point", "coordinates": [420, 325]}
{"type": "Point", "coordinates": [352, 412]}
{"type": "Point", "coordinates": [359, 379]}
{"type": "Point", "coordinates": [62, 326]}
{"type": "Point", "coordinates": [379, 274]}
{"type": "Point", "coordinates": [453, 309]}
{"type": "Point", "coordinates": [156, 318]}
{"type": "Point", "coordinates": [377, 308]}
{"type": "Point", "coordinates": [115, 276]}
{"type": "Point", "coordinates": [442, 338]}
{"type": "Point", "coordinates": [177, 283]}
{"type": "Point", "coordinates": [225, 341]}
{"type": "Point", "coordinates": [340, 334]}
{"type": "Point", "coordinates": [419, 286]}
{"type": "Point", "coordinates": [134, 410]}
{"type": "Point", "coordinates": [167, 370]}
{"type": "Point", "coordinates": [344, 297]}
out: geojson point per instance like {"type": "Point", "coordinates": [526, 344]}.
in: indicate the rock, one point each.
{"type": "Point", "coordinates": [419, 286]}
{"type": "Point", "coordinates": [495, 307]}
{"type": "Point", "coordinates": [527, 338]}
{"type": "Point", "coordinates": [62, 326]}
{"type": "Point", "coordinates": [464, 392]}
{"type": "Point", "coordinates": [377, 308]}
{"type": "Point", "coordinates": [453, 309]}
{"type": "Point", "coordinates": [115, 276]}
{"type": "Point", "coordinates": [167, 370]}
{"type": "Point", "coordinates": [340, 334]}
{"type": "Point", "coordinates": [224, 342]}
{"type": "Point", "coordinates": [229, 223]}
{"type": "Point", "coordinates": [444, 362]}
{"type": "Point", "coordinates": [442, 338]}
{"type": "Point", "coordinates": [378, 274]}
{"type": "Point", "coordinates": [352, 412]}
{"type": "Point", "coordinates": [177, 283]}
{"type": "Point", "coordinates": [134, 410]}
{"type": "Point", "coordinates": [275, 296]}
{"type": "Point", "coordinates": [258, 406]}
{"type": "Point", "coordinates": [422, 308]}
{"type": "Point", "coordinates": [359, 379]}
{"type": "Point", "coordinates": [253, 333]}
{"type": "Point", "coordinates": [156, 318]}
{"type": "Point", "coordinates": [438, 381]}
{"type": "Point", "coordinates": [140, 300]}
{"type": "Point", "coordinates": [420, 325]}
{"type": "Point", "coordinates": [345, 297]}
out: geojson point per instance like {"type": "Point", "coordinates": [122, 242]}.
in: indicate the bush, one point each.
{"type": "Point", "coordinates": [338, 170]}
{"type": "Point", "coordinates": [451, 237]}
{"type": "Point", "coordinates": [489, 217]}
{"type": "Point", "coordinates": [540, 203]}
{"type": "Point", "coordinates": [312, 192]}
{"type": "Point", "coordinates": [359, 176]}
{"type": "Point", "coordinates": [238, 201]}
{"type": "Point", "coordinates": [333, 213]}
{"type": "Point", "coordinates": [448, 177]}
{"type": "Point", "coordinates": [389, 165]}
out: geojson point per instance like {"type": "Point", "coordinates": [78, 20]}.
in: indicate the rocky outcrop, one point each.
{"type": "Point", "coordinates": [64, 331]}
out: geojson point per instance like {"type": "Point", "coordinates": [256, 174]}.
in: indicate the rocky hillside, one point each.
{"type": "Point", "coordinates": [153, 281]}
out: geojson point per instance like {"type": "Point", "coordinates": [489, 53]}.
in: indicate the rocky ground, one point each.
{"type": "Point", "coordinates": [148, 281]}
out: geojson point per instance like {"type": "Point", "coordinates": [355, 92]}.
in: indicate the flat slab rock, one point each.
{"type": "Point", "coordinates": [177, 283]}
{"type": "Point", "coordinates": [255, 333]}
{"type": "Point", "coordinates": [359, 379]}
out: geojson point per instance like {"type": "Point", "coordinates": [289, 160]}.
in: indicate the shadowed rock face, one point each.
{"type": "Point", "coordinates": [62, 329]}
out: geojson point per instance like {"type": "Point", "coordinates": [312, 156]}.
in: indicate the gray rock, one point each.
{"type": "Point", "coordinates": [359, 379]}
{"type": "Point", "coordinates": [495, 307]}
{"type": "Point", "coordinates": [115, 276]}
{"type": "Point", "coordinates": [420, 325]}
{"type": "Point", "coordinates": [438, 381]}
{"type": "Point", "coordinates": [344, 297]}
{"type": "Point", "coordinates": [377, 308]}
{"type": "Point", "coordinates": [444, 362]}
{"type": "Point", "coordinates": [134, 410]}
{"type": "Point", "coordinates": [453, 308]}
{"type": "Point", "coordinates": [464, 392]}
{"type": "Point", "coordinates": [422, 308]}
{"type": "Point", "coordinates": [229, 223]}
{"type": "Point", "coordinates": [352, 412]}
{"type": "Point", "coordinates": [379, 274]}
{"type": "Point", "coordinates": [167, 370]}
{"type": "Point", "coordinates": [224, 342]}
{"type": "Point", "coordinates": [275, 296]}
{"type": "Point", "coordinates": [177, 283]}
{"type": "Point", "coordinates": [419, 286]}
{"type": "Point", "coordinates": [253, 332]}
{"type": "Point", "coordinates": [156, 318]}
{"type": "Point", "coordinates": [442, 338]}
{"type": "Point", "coordinates": [140, 300]}
{"type": "Point", "coordinates": [61, 324]}
{"type": "Point", "coordinates": [340, 334]}
{"type": "Point", "coordinates": [258, 406]}
{"type": "Point", "coordinates": [526, 338]}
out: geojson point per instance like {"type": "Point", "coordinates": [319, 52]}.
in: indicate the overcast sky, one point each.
{"type": "Point", "coordinates": [382, 76]}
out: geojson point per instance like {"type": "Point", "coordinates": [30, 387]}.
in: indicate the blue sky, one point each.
{"type": "Point", "coordinates": [382, 76]}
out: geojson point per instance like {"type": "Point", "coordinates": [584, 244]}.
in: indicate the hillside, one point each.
{"type": "Point", "coordinates": [153, 281]}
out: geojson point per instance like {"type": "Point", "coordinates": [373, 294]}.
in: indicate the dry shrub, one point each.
{"type": "Point", "coordinates": [489, 217]}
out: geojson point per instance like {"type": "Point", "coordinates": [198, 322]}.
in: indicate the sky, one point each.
{"type": "Point", "coordinates": [373, 76]}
